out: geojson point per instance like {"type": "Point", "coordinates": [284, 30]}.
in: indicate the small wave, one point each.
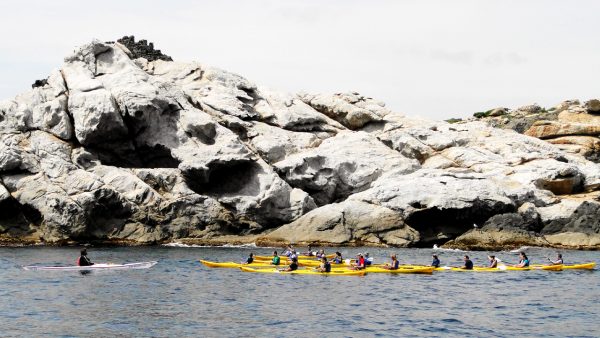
{"type": "Point", "coordinates": [435, 247]}
{"type": "Point", "coordinates": [181, 245]}
{"type": "Point", "coordinates": [523, 248]}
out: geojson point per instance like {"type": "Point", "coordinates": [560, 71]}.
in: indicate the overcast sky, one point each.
{"type": "Point", "coordinates": [436, 59]}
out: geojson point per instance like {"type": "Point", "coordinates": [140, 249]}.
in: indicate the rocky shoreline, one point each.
{"type": "Point", "coordinates": [124, 146]}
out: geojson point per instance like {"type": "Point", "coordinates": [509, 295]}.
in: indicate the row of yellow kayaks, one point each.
{"type": "Point", "coordinates": [268, 258]}
{"type": "Point", "coordinates": [343, 269]}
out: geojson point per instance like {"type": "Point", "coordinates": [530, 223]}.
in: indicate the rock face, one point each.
{"type": "Point", "coordinates": [123, 145]}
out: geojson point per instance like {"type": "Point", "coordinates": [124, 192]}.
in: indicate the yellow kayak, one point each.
{"type": "Point", "coordinates": [401, 269]}
{"type": "Point", "coordinates": [306, 272]}
{"type": "Point", "coordinates": [475, 269]}
{"type": "Point", "coordinates": [235, 265]}
{"type": "Point", "coordinates": [540, 267]}
{"type": "Point", "coordinates": [583, 266]}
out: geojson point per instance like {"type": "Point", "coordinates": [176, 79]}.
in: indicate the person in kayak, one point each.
{"type": "Point", "coordinates": [523, 261]}
{"type": "Point", "coordinates": [293, 255]}
{"type": "Point", "coordinates": [360, 262]}
{"type": "Point", "coordinates": [338, 259]}
{"type": "Point", "coordinates": [435, 262]}
{"type": "Point", "coordinates": [321, 254]}
{"type": "Point", "coordinates": [83, 259]}
{"type": "Point", "coordinates": [276, 259]}
{"type": "Point", "coordinates": [250, 259]}
{"type": "Point", "coordinates": [325, 265]}
{"type": "Point", "coordinates": [288, 251]}
{"type": "Point", "coordinates": [493, 262]}
{"type": "Point", "coordinates": [558, 261]}
{"type": "Point", "coordinates": [394, 265]}
{"type": "Point", "coordinates": [468, 264]}
{"type": "Point", "coordinates": [309, 252]}
{"type": "Point", "coordinates": [368, 260]}
{"type": "Point", "coordinates": [292, 267]}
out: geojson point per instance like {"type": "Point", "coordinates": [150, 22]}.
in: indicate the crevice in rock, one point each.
{"type": "Point", "coordinates": [235, 177]}
{"type": "Point", "coordinates": [437, 226]}
{"type": "Point", "coordinates": [16, 218]}
{"type": "Point", "coordinates": [108, 215]}
{"type": "Point", "coordinates": [73, 139]}
{"type": "Point", "coordinates": [157, 156]}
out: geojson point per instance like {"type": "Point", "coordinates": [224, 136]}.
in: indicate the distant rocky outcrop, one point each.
{"type": "Point", "coordinates": [123, 145]}
{"type": "Point", "coordinates": [570, 125]}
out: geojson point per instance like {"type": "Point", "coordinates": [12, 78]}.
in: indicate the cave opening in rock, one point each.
{"type": "Point", "coordinates": [16, 218]}
{"type": "Point", "coordinates": [438, 226]}
{"type": "Point", "coordinates": [238, 178]}
{"type": "Point", "coordinates": [157, 156]}
{"type": "Point", "coordinates": [108, 215]}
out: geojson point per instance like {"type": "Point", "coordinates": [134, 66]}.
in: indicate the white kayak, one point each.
{"type": "Point", "coordinates": [97, 266]}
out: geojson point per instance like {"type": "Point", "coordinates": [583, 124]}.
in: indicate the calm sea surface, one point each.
{"type": "Point", "coordinates": [181, 298]}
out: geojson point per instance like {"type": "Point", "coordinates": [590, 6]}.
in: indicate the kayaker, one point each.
{"type": "Point", "coordinates": [325, 265]}
{"type": "Point", "coordinates": [250, 259]}
{"type": "Point", "coordinates": [293, 255]}
{"type": "Point", "coordinates": [558, 261]}
{"type": "Point", "coordinates": [435, 262]}
{"type": "Point", "coordinates": [321, 254]}
{"type": "Point", "coordinates": [293, 265]}
{"type": "Point", "coordinates": [287, 251]}
{"type": "Point", "coordinates": [393, 265]}
{"type": "Point", "coordinates": [276, 260]}
{"type": "Point", "coordinates": [337, 259]}
{"type": "Point", "coordinates": [360, 262]}
{"type": "Point", "coordinates": [83, 260]}
{"type": "Point", "coordinates": [523, 261]}
{"type": "Point", "coordinates": [468, 263]}
{"type": "Point", "coordinates": [493, 262]}
{"type": "Point", "coordinates": [309, 252]}
{"type": "Point", "coordinates": [368, 260]}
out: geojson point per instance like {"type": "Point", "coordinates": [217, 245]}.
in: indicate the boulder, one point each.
{"type": "Point", "coordinates": [350, 109]}
{"type": "Point", "coordinates": [592, 106]}
{"type": "Point", "coordinates": [551, 129]}
{"type": "Point", "coordinates": [494, 239]}
{"type": "Point", "coordinates": [346, 223]}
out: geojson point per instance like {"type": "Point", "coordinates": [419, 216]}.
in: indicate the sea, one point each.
{"type": "Point", "coordinates": [179, 297]}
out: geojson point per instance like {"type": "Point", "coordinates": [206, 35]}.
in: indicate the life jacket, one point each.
{"type": "Point", "coordinates": [327, 267]}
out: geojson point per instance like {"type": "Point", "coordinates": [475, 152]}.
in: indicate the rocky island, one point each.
{"type": "Point", "coordinates": [124, 145]}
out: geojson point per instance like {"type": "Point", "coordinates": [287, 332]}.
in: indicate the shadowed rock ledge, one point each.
{"type": "Point", "coordinates": [121, 145]}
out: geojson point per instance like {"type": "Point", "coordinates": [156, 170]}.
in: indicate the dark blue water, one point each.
{"type": "Point", "coordinates": [178, 297]}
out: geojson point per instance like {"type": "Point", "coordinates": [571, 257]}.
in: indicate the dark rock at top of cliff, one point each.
{"type": "Point", "coordinates": [143, 48]}
{"type": "Point", "coordinates": [40, 83]}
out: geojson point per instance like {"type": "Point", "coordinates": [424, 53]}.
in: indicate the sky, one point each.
{"type": "Point", "coordinates": [434, 59]}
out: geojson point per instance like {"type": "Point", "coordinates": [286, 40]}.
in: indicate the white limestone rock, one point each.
{"type": "Point", "coordinates": [342, 165]}
{"type": "Point", "coordinates": [122, 150]}
{"type": "Point", "coordinates": [350, 109]}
